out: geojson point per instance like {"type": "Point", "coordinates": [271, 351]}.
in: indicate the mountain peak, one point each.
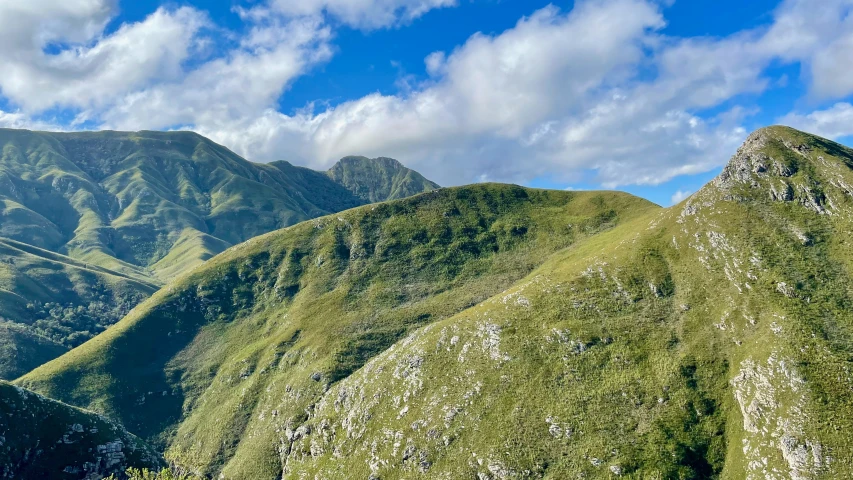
{"type": "Point", "coordinates": [783, 164]}
{"type": "Point", "coordinates": [378, 179]}
{"type": "Point", "coordinates": [361, 160]}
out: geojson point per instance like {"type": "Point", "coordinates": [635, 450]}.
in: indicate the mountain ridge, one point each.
{"type": "Point", "coordinates": [378, 179]}
{"type": "Point", "coordinates": [498, 332]}
{"type": "Point", "coordinates": [142, 205]}
{"type": "Point", "coordinates": [344, 287]}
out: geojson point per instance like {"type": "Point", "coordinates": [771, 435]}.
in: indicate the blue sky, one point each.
{"type": "Point", "coordinates": [647, 96]}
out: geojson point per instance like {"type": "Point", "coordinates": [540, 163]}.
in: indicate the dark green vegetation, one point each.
{"type": "Point", "coordinates": [497, 332]}
{"type": "Point", "coordinates": [92, 223]}
{"type": "Point", "coordinates": [42, 438]}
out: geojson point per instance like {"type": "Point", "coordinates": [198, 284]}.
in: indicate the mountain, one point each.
{"type": "Point", "coordinates": [500, 332]}
{"type": "Point", "coordinates": [222, 367]}
{"type": "Point", "coordinates": [42, 438]}
{"type": "Point", "coordinates": [378, 179]}
{"type": "Point", "coordinates": [92, 223]}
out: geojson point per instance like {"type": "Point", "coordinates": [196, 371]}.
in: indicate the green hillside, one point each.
{"type": "Point", "coordinates": [50, 303]}
{"type": "Point", "coordinates": [711, 339]}
{"type": "Point", "coordinates": [113, 215]}
{"type": "Point", "coordinates": [221, 367]}
{"type": "Point", "coordinates": [42, 438]}
{"type": "Point", "coordinates": [500, 332]}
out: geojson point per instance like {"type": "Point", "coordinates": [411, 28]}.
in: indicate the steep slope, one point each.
{"type": "Point", "coordinates": [145, 206]}
{"type": "Point", "coordinates": [222, 366]}
{"type": "Point", "coordinates": [22, 350]}
{"type": "Point", "coordinates": [378, 179]}
{"type": "Point", "coordinates": [42, 438]}
{"type": "Point", "coordinates": [712, 339]}
{"type": "Point", "coordinates": [50, 303]}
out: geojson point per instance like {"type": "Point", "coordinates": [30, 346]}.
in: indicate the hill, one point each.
{"type": "Point", "coordinates": [711, 339]}
{"type": "Point", "coordinates": [500, 332]}
{"type": "Point", "coordinates": [112, 216]}
{"type": "Point", "coordinates": [224, 366]}
{"type": "Point", "coordinates": [42, 438]}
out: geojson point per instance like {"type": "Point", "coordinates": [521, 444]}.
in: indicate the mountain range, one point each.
{"type": "Point", "coordinates": [92, 223]}
{"type": "Point", "coordinates": [494, 332]}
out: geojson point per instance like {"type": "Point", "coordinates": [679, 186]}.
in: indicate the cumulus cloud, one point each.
{"type": "Point", "coordinates": [820, 35]}
{"type": "Point", "coordinates": [551, 96]}
{"type": "Point", "coordinates": [94, 68]}
{"type": "Point", "coordinates": [239, 85]}
{"type": "Point", "coordinates": [596, 91]}
{"type": "Point", "coordinates": [367, 14]}
{"type": "Point", "coordinates": [834, 122]}
{"type": "Point", "coordinates": [559, 94]}
{"type": "Point", "coordinates": [21, 120]}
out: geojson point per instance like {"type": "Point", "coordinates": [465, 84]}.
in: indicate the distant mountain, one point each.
{"type": "Point", "coordinates": [499, 332]}
{"type": "Point", "coordinates": [94, 222]}
{"type": "Point", "coordinates": [378, 179]}
{"type": "Point", "coordinates": [42, 438]}
{"type": "Point", "coordinates": [254, 337]}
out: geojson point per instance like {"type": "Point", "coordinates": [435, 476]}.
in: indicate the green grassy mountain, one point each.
{"type": "Point", "coordinates": [497, 332]}
{"type": "Point", "coordinates": [222, 366]}
{"type": "Point", "coordinates": [43, 438]}
{"type": "Point", "coordinates": [91, 223]}
{"type": "Point", "coordinates": [378, 179]}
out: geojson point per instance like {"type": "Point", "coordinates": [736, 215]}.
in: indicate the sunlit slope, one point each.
{"type": "Point", "coordinates": [218, 366]}
{"type": "Point", "coordinates": [712, 339]}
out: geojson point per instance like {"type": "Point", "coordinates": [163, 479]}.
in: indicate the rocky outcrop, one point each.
{"type": "Point", "coordinates": [42, 438]}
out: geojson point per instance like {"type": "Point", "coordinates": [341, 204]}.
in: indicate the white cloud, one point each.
{"type": "Point", "coordinates": [20, 120]}
{"type": "Point", "coordinates": [94, 68]}
{"type": "Point", "coordinates": [367, 14]}
{"type": "Point", "coordinates": [554, 95]}
{"type": "Point", "coordinates": [599, 88]}
{"type": "Point", "coordinates": [240, 85]}
{"type": "Point", "coordinates": [834, 122]}
{"type": "Point", "coordinates": [819, 34]}
{"type": "Point", "coordinates": [679, 196]}
{"type": "Point", "coordinates": [491, 100]}
{"type": "Point", "coordinates": [559, 93]}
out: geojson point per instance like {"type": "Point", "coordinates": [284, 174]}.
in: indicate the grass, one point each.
{"type": "Point", "coordinates": [144, 205]}
{"type": "Point", "coordinates": [292, 312]}
{"type": "Point", "coordinates": [494, 331]}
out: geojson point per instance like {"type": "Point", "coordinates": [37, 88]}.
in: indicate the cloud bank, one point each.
{"type": "Point", "coordinates": [561, 94]}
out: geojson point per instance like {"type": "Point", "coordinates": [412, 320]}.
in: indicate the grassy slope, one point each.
{"type": "Point", "coordinates": [712, 339]}
{"type": "Point", "coordinates": [50, 303]}
{"type": "Point", "coordinates": [22, 350]}
{"type": "Point", "coordinates": [144, 205]}
{"type": "Point", "coordinates": [219, 364]}
{"type": "Point", "coordinates": [43, 438]}
{"type": "Point", "coordinates": [709, 339]}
